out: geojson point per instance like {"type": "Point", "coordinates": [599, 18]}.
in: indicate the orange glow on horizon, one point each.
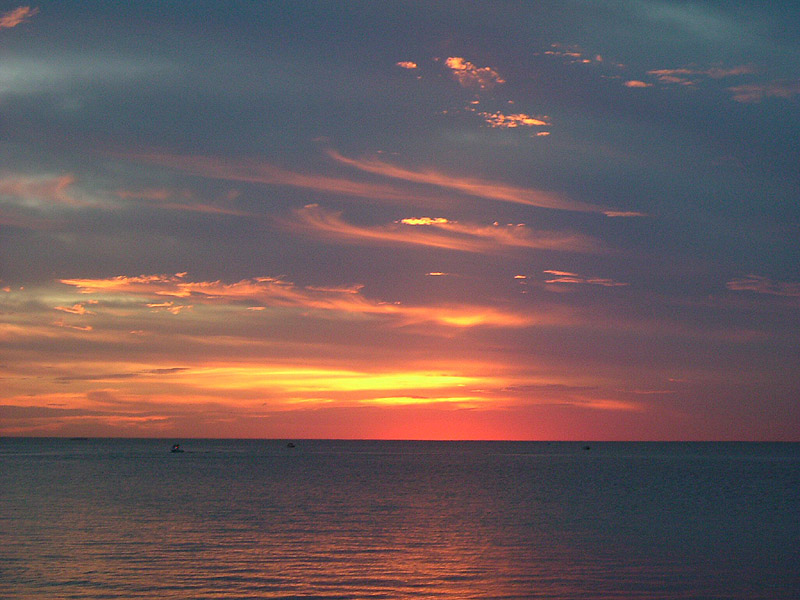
{"type": "Point", "coordinates": [301, 380]}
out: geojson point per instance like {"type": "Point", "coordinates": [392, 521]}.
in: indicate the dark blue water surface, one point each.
{"type": "Point", "coordinates": [347, 519]}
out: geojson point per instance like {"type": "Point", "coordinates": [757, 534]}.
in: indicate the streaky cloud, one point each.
{"type": "Point", "coordinates": [682, 75]}
{"type": "Point", "coordinates": [764, 285]}
{"type": "Point", "coordinates": [566, 277]}
{"type": "Point", "coordinates": [489, 190]}
{"type": "Point", "coordinates": [267, 174]}
{"type": "Point", "coordinates": [40, 190]}
{"type": "Point", "coordinates": [157, 290]}
{"type": "Point", "coordinates": [257, 172]}
{"type": "Point", "coordinates": [164, 198]}
{"type": "Point", "coordinates": [438, 232]}
{"type": "Point", "coordinates": [755, 93]}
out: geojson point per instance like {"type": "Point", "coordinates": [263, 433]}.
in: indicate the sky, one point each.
{"type": "Point", "coordinates": [551, 220]}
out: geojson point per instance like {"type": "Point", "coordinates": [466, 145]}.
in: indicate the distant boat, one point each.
{"type": "Point", "coordinates": [290, 445]}
{"type": "Point", "coordinates": [176, 448]}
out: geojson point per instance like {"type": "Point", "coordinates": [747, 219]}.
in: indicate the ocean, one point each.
{"type": "Point", "coordinates": [121, 518]}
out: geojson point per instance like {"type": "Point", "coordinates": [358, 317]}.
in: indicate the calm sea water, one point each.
{"type": "Point", "coordinates": [340, 519]}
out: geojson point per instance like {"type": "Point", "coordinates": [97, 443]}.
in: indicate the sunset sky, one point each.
{"type": "Point", "coordinates": [418, 220]}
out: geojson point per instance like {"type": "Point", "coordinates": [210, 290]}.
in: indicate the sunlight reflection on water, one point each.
{"type": "Point", "coordinates": [254, 519]}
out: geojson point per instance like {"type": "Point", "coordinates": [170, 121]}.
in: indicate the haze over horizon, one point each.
{"type": "Point", "coordinates": [402, 220]}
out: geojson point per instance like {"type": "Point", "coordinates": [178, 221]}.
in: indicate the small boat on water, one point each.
{"type": "Point", "coordinates": [176, 448]}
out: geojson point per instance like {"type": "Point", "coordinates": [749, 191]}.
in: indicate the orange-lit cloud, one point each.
{"type": "Point", "coordinates": [670, 73]}
{"type": "Point", "coordinates": [75, 309]}
{"type": "Point", "coordinates": [502, 121]}
{"type": "Point", "coordinates": [635, 83]}
{"type": "Point", "coordinates": [764, 285]}
{"type": "Point", "coordinates": [278, 293]}
{"type": "Point", "coordinates": [573, 278]}
{"type": "Point", "coordinates": [122, 393]}
{"type": "Point", "coordinates": [566, 53]}
{"type": "Point", "coordinates": [170, 307]}
{"type": "Point", "coordinates": [439, 232]}
{"type": "Point", "coordinates": [250, 391]}
{"type": "Point", "coordinates": [40, 190]}
{"type": "Point", "coordinates": [610, 404]}
{"type": "Point", "coordinates": [163, 198]}
{"type": "Point", "coordinates": [623, 213]}
{"type": "Point", "coordinates": [17, 16]}
{"type": "Point", "coordinates": [720, 73]}
{"type": "Point", "coordinates": [754, 93]}
{"type": "Point", "coordinates": [406, 64]}
{"type": "Point", "coordinates": [470, 76]}
{"type": "Point", "coordinates": [491, 190]}
{"type": "Point", "coordinates": [687, 76]}
{"type": "Point", "coordinates": [425, 221]}
{"type": "Point", "coordinates": [573, 54]}
{"type": "Point", "coordinates": [266, 174]}
{"type": "Point", "coordinates": [304, 382]}
{"type": "Point", "coordinates": [255, 172]}
{"type": "Point", "coordinates": [75, 327]}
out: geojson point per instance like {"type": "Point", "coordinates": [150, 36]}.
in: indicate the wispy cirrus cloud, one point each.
{"type": "Point", "coordinates": [17, 16]}
{"type": "Point", "coordinates": [755, 93]}
{"type": "Point", "coordinates": [258, 172]}
{"type": "Point", "coordinates": [690, 76]}
{"type": "Point", "coordinates": [490, 190]}
{"type": "Point", "coordinates": [747, 93]}
{"type": "Point", "coordinates": [40, 190]}
{"type": "Point", "coordinates": [470, 76]}
{"type": "Point", "coordinates": [263, 173]}
{"type": "Point", "coordinates": [587, 396]}
{"type": "Point", "coordinates": [157, 290]}
{"type": "Point", "coordinates": [567, 277]}
{"type": "Point", "coordinates": [764, 285]}
{"type": "Point", "coordinates": [439, 232]}
{"type": "Point", "coordinates": [104, 376]}
{"type": "Point", "coordinates": [178, 200]}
